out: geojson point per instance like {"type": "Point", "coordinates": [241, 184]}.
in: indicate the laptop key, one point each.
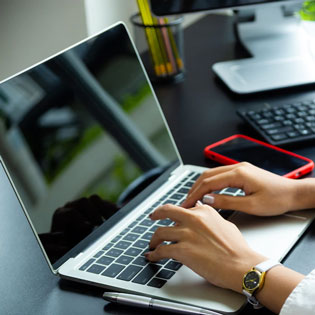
{"type": "Point", "coordinates": [165, 274]}
{"type": "Point", "coordinates": [131, 237]}
{"type": "Point", "coordinates": [184, 190]}
{"type": "Point", "coordinates": [123, 245]}
{"type": "Point", "coordinates": [139, 229]}
{"type": "Point", "coordinates": [87, 264]}
{"type": "Point", "coordinates": [129, 273]}
{"type": "Point", "coordinates": [141, 261]}
{"type": "Point", "coordinates": [124, 260]}
{"type": "Point", "coordinates": [173, 265]}
{"type": "Point", "coordinates": [105, 260]}
{"type": "Point", "coordinates": [108, 246]}
{"type": "Point", "coordinates": [114, 252]}
{"type": "Point", "coordinates": [177, 196]}
{"type": "Point", "coordinates": [147, 236]}
{"type": "Point", "coordinates": [133, 251]}
{"type": "Point", "coordinates": [164, 222]}
{"type": "Point", "coordinates": [116, 239]}
{"type": "Point", "coordinates": [113, 270]}
{"type": "Point", "coordinates": [146, 274]}
{"type": "Point", "coordinates": [146, 222]}
{"type": "Point", "coordinates": [96, 269]}
{"type": "Point", "coordinates": [99, 254]}
{"type": "Point", "coordinates": [141, 244]}
{"type": "Point", "coordinates": [156, 283]}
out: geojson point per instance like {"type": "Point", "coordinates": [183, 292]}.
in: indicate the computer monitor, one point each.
{"type": "Point", "coordinates": [272, 34]}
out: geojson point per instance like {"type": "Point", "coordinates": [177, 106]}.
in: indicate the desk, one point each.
{"type": "Point", "coordinates": [195, 110]}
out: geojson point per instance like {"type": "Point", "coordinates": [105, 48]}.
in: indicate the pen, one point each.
{"type": "Point", "coordinates": [150, 303]}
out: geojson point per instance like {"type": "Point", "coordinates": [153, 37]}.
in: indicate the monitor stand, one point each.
{"type": "Point", "coordinates": [281, 54]}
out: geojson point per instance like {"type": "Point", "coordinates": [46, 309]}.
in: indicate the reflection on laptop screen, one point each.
{"type": "Point", "coordinates": [76, 131]}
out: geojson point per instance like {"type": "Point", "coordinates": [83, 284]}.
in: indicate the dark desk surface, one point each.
{"type": "Point", "coordinates": [200, 110]}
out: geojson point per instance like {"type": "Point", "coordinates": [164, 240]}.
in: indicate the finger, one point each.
{"type": "Point", "coordinates": [208, 185]}
{"type": "Point", "coordinates": [171, 234]}
{"type": "Point", "coordinates": [212, 172]}
{"type": "Point", "coordinates": [175, 213]}
{"type": "Point", "coordinates": [225, 202]}
{"type": "Point", "coordinates": [161, 252]}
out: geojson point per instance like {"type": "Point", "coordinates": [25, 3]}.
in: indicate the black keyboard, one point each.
{"type": "Point", "coordinates": [283, 124]}
{"type": "Point", "coordinates": [123, 257]}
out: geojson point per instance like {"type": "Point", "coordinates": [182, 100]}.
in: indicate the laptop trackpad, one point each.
{"type": "Point", "coordinates": [273, 236]}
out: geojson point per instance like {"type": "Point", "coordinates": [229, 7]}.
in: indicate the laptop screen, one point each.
{"type": "Point", "coordinates": [82, 134]}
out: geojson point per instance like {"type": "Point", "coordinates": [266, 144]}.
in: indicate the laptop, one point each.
{"type": "Point", "coordinates": [91, 156]}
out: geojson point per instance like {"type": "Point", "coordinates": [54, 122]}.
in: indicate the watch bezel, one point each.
{"type": "Point", "coordinates": [260, 277]}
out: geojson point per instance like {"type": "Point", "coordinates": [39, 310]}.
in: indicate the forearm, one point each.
{"type": "Point", "coordinates": [279, 283]}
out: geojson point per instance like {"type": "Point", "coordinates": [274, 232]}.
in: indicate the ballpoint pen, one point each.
{"type": "Point", "coordinates": [151, 303]}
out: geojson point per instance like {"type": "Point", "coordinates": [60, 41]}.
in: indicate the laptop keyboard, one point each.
{"type": "Point", "coordinates": [283, 124]}
{"type": "Point", "coordinates": [123, 257]}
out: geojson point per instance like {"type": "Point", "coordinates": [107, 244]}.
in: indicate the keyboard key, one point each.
{"type": "Point", "coordinates": [146, 222]}
{"type": "Point", "coordinates": [141, 244]}
{"type": "Point", "coordinates": [156, 283]}
{"type": "Point", "coordinates": [162, 261]}
{"type": "Point", "coordinates": [114, 252]}
{"type": "Point", "coordinates": [177, 196]}
{"type": "Point", "coordinates": [293, 134]}
{"type": "Point", "coordinates": [133, 224]}
{"type": "Point", "coordinates": [124, 232]}
{"type": "Point", "coordinates": [113, 270]}
{"type": "Point", "coordinates": [165, 222]}
{"type": "Point", "coordinates": [183, 190]}
{"type": "Point", "coordinates": [139, 229]}
{"type": "Point", "coordinates": [133, 251]}
{"type": "Point", "coordinates": [147, 236]}
{"type": "Point", "coordinates": [96, 269]}
{"type": "Point", "coordinates": [129, 273]}
{"type": "Point", "coordinates": [87, 264]}
{"type": "Point", "coordinates": [189, 184]}
{"type": "Point", "coordinates": [105, 260]}
{"type": "Point", "coordinates": [280, 136]}
{"type": "Point", "coordinates": [108, 246]}
{"type": "Point", "coordinates": [146, 274]}
{"type": "Point", "coordinates": [195, 177]}
{"type": "Point", "coordinates": [141, 261]}
{"type": "Point", "coordinates": [165, 274]}
{"type": "Point", "coordinates": [99, 254]}
{"type": "Point", "coordinates": [173, 265]}
{"type": "Point", "coordinates": [116, 239]}
{"type": "Point", "coordinates": [124, 260]}
{"type": "Point", "coordinates": [123, 245]}
{"type": "Point", "coordinates": [141, 217]}
{"type": "Point", "coordinates": [271, 126]}
{"type": "Point", "coordinates": [170, 201]}
{"type": "Point", "coordinates": [154, 228]}
{"type": "Point", "coordinates": [131, 237]}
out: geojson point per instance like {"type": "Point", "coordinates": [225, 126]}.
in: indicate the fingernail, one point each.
{"type": "Point", "coordinates": [209, 200]}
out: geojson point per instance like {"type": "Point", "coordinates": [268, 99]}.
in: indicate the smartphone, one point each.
{"type": "Point", "coordinates": [239, 148]}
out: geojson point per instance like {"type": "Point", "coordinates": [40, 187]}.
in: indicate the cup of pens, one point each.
{"type": "Point", "coordinates": [160, 41]}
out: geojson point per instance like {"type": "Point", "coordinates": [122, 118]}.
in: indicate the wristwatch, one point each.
{"type": "Point", "coordinates": [253, 281]}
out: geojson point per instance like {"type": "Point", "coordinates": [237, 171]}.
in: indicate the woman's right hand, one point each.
{"type": "Point", "coordinates": [265, 193]}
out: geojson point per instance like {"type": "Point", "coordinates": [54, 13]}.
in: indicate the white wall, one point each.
{"type": "Point", "coordinates": [32, 30]}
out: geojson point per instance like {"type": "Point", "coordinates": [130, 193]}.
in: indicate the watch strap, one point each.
{"type": "Point", "coordinates": [266, 265]}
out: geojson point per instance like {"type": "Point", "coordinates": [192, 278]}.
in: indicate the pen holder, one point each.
{"type": "Point", "coordinates": [162, 45]}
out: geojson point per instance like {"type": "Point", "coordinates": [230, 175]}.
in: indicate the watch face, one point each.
{"type": "Point", "coordinates": [251, 280]}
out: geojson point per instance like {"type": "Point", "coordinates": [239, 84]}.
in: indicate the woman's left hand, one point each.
{"type": "Point", "coordinates": [205, 242]}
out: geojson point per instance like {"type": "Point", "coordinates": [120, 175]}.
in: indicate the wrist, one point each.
{"type": "Point", "coordinates": [303, 194]}
{"type": "Point", "coordinates": [249, 261]}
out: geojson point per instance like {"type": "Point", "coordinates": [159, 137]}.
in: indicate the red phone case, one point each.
{"type": "Point", "coordinates": [227, 161]}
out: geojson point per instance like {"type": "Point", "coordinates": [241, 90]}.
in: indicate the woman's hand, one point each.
{"type": "Point", "coordinates": [265, 192]}
{"type": "Point", "coordinates": [205, 242]}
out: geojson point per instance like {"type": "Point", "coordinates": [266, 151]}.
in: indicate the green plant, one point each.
{"type": "Point", "coordinates": [307, 11]}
